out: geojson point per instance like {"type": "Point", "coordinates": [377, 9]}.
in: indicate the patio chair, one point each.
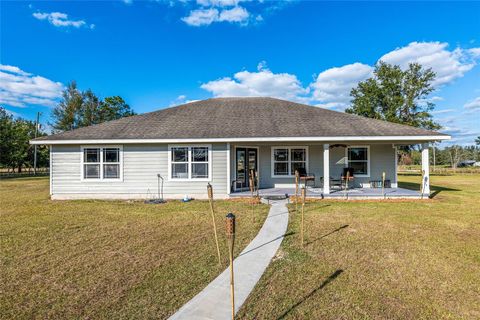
{"type": "Point", "coordinates": [305, 176]}
{"type": "Point", "coordinates": [351, 177]}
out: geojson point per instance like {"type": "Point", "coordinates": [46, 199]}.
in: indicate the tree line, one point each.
{"type": "Point", "coordinates": [76, 109]}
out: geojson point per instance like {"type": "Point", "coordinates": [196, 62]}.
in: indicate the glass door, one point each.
{"type": "Point", "coordinates": [246, 159]}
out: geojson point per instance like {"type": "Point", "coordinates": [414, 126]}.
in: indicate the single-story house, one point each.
{"type": "Point", "coordinates": [218, 141]}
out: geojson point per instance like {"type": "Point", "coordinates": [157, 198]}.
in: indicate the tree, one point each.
{"type": "Point", "coordinates": [66, 113]}
{"type": "Point", "coordinates": [15, 150]}
{"type": "Point", "coordinates": [80, 109]}
{"type": "Point", "coordinates": [396, 95]}
{"type": "Point", "coordinates": [477, 141]}
{"type": "Point", "coordinates": [115, 107]}
{"type": "Point", "coordinates": [456, 154]}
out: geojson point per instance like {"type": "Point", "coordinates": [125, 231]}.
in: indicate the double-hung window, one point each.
{"type": "Point", "coordinates": [358, 158]}
{"type": "Point", "coordinates": [286, 160]}
{"type": "Point", "coordinates": [101, 163]}
{"type": "Point", "coordinates": [190, 162]}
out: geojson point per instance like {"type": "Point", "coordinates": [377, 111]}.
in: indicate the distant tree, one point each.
{"type": "Point", "coordinates": [396, 95]}
{"type": "Point", "coordinates": [6, 137]}
{"type": "Point", "coordinates": [456, 154]}
{"type": "Point", "coordinates": [80, 109]}
{"type": "Point", "coordinates": [112, 108]}
{"type": "Point", "coordinates": [66, 113]}
{"type": "Point", "coordinates": [15, 150]}
{"type": "Point", "coordinates": [90, 110]}
{"type": "Point", "coordinates": [477, 141]}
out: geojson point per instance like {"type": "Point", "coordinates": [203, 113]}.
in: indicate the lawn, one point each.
{"type": "Point", "coordinates": [107, 259]}
{"type": "Point", "coordinates": [379, 259]}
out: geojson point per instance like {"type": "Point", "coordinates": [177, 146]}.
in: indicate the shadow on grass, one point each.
{"type": "Point", "coordinates": [416, 186]}
{"type": "Point", "coordinates": [326, 235]}
{"type": "Point", "coordinates": [305, 298]}
{"type": "Point", "coordinates": [264, 244]}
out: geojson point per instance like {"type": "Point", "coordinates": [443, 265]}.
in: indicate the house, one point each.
{"type": "Point", "coordinates": [219, 140]}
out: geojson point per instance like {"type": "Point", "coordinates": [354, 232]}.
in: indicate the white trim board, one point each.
{"type": "Point", "coordinates": [413, 139]}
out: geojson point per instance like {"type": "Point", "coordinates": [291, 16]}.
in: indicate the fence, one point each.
{"type": "Point", "coordinates": [26, 172]}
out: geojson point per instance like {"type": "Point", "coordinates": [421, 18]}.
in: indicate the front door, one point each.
{"type": "Point", "coordinates": [246, 159]}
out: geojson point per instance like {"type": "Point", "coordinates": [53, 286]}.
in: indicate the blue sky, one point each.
{"type": "Point", "coordinates": [160, 53]}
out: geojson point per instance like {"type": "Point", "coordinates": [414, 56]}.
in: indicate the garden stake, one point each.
{"type": "Point", "coordinates": [383, 184]}
{"type": "Point", "coordinates": [230, 226]}
{"type": "Point", "coordinates": [346, 183]}
{"type": "Point", "coordinates": [257, 179]}
{"type": "Point", "coordinates": [252, 190]}
{"type": "Point", "coordinates": [210, 199]}
{"type": "Point", "coordinates": [297, 178]}
{"type": "Point", "coordinates": [303, 209]}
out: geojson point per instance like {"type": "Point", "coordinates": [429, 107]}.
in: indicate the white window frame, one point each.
{"type": "Point", "coordinates": [101, 147]}
{"type": "Point", "coordinates": [190, 162]}
{"type": "Point", "coordinates": [289, 161]}
{"type": "Point", "coordinates": [368, 160]}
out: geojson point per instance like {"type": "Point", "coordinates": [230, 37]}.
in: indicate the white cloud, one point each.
{"type": "Point", "coordinates": [59, 19]}
{"type": "Point", "coordinates": [19, 88]}
{"type": "Point", "coordinates": [207, 16]}
{"type": "Point", "coordinates": [448, 65]}
{"type": "Point", "coordinates": [443, 111]}
{"type": "Point", "coordinates": [260, 83]}
{"type": "Point", "coordinates": [237, 14]}
{"type": "Point", "coordinates": [473, 105]}
{"type": "Point", "coordinates": [201, 17]}
{"type": "Point", "coordinates": [332, 87]}
{"type": "Point", "coordinates": [218, 3]}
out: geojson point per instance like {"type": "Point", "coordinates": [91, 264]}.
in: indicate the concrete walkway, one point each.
{"type": "Point", "coordinates": [213, 302]}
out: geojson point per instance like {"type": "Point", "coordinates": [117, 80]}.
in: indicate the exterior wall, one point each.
{"type": "Point", "coordinates": [141, 164]}
{"type": "Point", "coordinates": [382, 159]}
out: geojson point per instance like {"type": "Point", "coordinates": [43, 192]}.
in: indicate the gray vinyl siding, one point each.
{"type": "Point", "coordinates": [141, 164]}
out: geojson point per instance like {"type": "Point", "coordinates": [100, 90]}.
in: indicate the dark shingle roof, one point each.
{"type": "Point", "coordinates": [240, 118]}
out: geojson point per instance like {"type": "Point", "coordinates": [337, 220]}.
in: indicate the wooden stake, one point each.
{"type": "Point", "coordinates": [297, 179]}
{"type": "Point", "coordinates": [383, 184]}
{"type": "Point", "coordinates": [210, 199]}
{"type": "Point", "coordinates": [252, 190]}
{"type": "Point", "coordinates": [303, 209]}
{"type": "Point", "coordinates": [230, 224]}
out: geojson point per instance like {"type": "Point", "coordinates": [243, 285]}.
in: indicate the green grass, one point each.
{"type": "Point", "coordinates": [379, 259]}
{"type": "Point", "coordinates": [107, 259]}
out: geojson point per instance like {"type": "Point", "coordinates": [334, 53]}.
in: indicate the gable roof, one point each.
{"type": "Point", "coordinates": [240, 118]}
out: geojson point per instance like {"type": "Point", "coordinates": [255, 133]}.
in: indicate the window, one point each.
{"type": "Point", "coordinates": [359, 160]}
{"type": "Point", "coordinates": [101, 163]}
{"type": "Point", "coordinates": [285, 160]}
{"type": "Point", "coordinates": [189, 162]}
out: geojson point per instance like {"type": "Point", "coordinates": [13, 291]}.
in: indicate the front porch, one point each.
{"type": "Point", "coordinates": [372, 165]}
{"type": "Point", "coordinates": [355, 193]}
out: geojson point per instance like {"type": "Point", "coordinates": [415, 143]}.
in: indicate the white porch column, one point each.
{"type": "Point", "coordinates": [229, 183]}
{"type": "Point", "coordinates": [326, 169]}
{"type": "Point", "coordinates": [425, 169]}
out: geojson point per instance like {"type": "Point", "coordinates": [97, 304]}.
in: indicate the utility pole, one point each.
{"type": "Point", "coordinates": [35, 146]}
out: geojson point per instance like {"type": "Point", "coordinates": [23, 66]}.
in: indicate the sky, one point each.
{"type": "Point", "coordinates": [157, 54]}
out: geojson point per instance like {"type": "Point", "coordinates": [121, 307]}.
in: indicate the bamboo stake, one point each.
{"type": "Point", "coordinates": [383, 184]}
{"type": "Point", "coordinates": [297, 179]}
{"type": "Point", "coordinates": [346, 183]}
{"type": "Point", "coordinates": [252, 190]}
{"type": "Point", "coordinates": [303, 209]}
{"type": "Point", "coordinates": [230, 226]}
{"type": "Point", "coordinates": [210, 199]}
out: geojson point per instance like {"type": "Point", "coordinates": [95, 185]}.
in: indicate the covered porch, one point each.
{"type": "Point", "coordinates": [373, 166]}
{"type": "Point", "coordinates": [356, 193]}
